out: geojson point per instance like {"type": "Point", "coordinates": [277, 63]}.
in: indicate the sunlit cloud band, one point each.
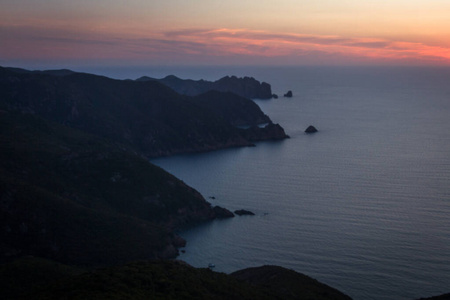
{"type": "Point", "coordinates": [197, 44]}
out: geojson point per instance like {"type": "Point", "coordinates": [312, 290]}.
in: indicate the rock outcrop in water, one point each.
{"type": "Point", "coordinates": [222, 213]}
{"type": "Point", "coordinates": [311, 129]}
{"type": "Point", "coordinates": [243, 212]}
{"type": "Point", "coordinates": [288, 94]}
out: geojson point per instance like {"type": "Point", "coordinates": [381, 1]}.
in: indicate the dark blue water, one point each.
{"type": "Point", "coordinates": [363, 205]}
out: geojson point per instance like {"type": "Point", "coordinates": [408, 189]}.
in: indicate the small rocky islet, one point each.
{"type": "Point", "coordinates": [311, 129]}
{"type": "Point", "coordinates": [288, 94]}
{"type": "Point", "coordinates": [244, 212]}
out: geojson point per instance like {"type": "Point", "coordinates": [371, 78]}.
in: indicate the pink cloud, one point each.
{"type": "Point", "coordinates": [273, 44]}
{"type": "Point", "coordinates": [209, 45]}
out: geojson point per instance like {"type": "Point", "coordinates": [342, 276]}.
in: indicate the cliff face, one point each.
{"type": "Point", "coordinates": [269, 132]}
{"type": "Point", "coordinates": [234, 109]}
{"type": "Point", "coordinates": [149, 116]}
{"type": "Point", "coordinates": [247, 87]}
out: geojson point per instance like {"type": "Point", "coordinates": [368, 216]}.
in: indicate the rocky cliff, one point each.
{"type": "Point", "coordinates": [146, 115]}
{"type": "Point", "coordinates": [234, 109]}
{"type": "Point", "coordinates": [247, 87]}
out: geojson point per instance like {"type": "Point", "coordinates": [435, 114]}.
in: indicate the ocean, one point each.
{"type": "Point", "coordinates": [363, 205]}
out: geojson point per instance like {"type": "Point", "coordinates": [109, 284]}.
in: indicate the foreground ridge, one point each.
{"type": "Point", "coordinates": [247, 87]}
{"type": "Point", "coordinates": [161, 279]}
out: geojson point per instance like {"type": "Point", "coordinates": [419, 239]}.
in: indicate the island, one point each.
{"type": "Point", "coordinates": [244, 212]}
{"type": "Point", "coordinates": [311, 129]}
{"type": "Point", "coordinates": [288, 94]}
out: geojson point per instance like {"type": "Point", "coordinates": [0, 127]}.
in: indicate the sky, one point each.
{"type": "Point", "coordinates": [62, 33]}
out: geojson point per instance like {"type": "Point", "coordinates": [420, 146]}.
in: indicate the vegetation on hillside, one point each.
{"type": "Point", "coordinates": [146, 115]}
{"type": "Point", "coordinates": [77, 198]}
{"type": "Point", "coordinates": [160, 279]}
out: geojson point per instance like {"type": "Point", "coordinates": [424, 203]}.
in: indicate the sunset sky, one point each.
{"type": "Point", "coordinates": [62, 33]}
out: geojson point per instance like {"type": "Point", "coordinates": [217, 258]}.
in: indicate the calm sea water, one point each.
{"type": "Point", "coordinates": [363, 205]}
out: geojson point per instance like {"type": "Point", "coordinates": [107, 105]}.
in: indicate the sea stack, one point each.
{"type": "Point", "coordinates": [311, 129]}
{"type": "Point", "coordinates": [288, 94]}
{"type": "Point", "coordinates": [242, 212]}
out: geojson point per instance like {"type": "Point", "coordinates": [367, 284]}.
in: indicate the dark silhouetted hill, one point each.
{"type": "Point", "coordinates": [146, 115]}
{"type": "Point", "coordinates": [247, 87]}
{"type": "Point", "coordinates": [287, 284]}
{"type": "Point", "coordinates": [60, 72]}
{"type": "Point", "coordinates": [153, 280]}
{"type": "Point", "coordinates": [80, 199]}
{"type": "Point", "coordinates": [76, 189]}
{"type": "Point", "coordinates": [76, 186]}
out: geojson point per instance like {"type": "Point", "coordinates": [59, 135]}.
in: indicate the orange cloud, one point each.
{"type": "Point", "coordinates": [263, 43]}
{"type": "Point", "coordinates": [222, 45]}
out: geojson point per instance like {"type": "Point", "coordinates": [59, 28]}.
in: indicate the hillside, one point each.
{"type": "Point", "coordinates": [71, 202]}
{"type": "Point", "coordinates": [151, 280]}
{"type": "Point", "coordinates": [77, 198]}
{"type": "Point", "coordinates": [148, 116]}
{"type": "Point", "coordinates": [77, 192]}
{"type": "Point", "coordinates": [74, 176]}
{"type": "Point", "coordinates": [287, 284]}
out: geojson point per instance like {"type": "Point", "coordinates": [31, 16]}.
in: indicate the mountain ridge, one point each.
{"type": "Point", "coordinates": [149, 116]}
{"type": "Point", "coordinates": [247, 87]}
